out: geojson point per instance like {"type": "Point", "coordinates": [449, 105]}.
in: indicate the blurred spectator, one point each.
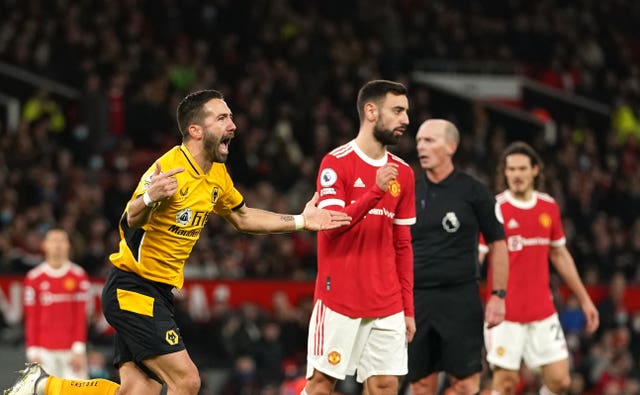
{"type": "Point", "coordinates": [613, 313]}
{"type": "Point", "coordinates": [243, 378]}
{"type": "Point", "coordinates": [269, 354]}
{"type": "Point", "coordinates": [42, 106]}
{"type": "Point", "coordinates": [94, 116]}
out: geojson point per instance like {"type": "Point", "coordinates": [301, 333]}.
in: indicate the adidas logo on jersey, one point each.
{"type": "Point", "coordinates": [512, 224]}
{"type": "Point", "coordinates": [358, 183]}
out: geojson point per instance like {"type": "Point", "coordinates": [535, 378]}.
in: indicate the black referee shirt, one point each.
{"type": "Point", "coordinates": [450, 215]}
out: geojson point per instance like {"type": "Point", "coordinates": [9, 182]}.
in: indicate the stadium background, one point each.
{"type": "Point", "coordinates": [88, 90]}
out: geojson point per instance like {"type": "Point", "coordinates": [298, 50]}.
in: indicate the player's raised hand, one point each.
{"type": "Point", "coordinates": [385, 174]}
{"type": "Point", "coordinates": [163, 184]}
{"type": "Point", "coordinates": [320, 219]}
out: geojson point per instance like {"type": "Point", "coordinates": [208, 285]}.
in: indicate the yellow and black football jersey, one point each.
{"type": "Point", "coordinates": [158, 250]}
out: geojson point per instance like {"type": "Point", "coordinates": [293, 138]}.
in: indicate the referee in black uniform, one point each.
{"type": "Point", "coordinates": [452, 208]}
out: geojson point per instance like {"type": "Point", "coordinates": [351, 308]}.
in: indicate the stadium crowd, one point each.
{"type": "Point", "coordinates": [290, 71]}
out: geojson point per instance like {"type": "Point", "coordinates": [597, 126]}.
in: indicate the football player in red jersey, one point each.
{"type": "Point", "coordinates": [531, 330]}
{"type": "Point", "coordinates": [55, 300]}
{"type": "Point", "coordinates": [363, 313]}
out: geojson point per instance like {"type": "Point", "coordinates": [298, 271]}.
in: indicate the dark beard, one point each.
{"type": "Point", "coordinates": [211, 148]}
{"type": "Point", "coordinates": [384, 136]}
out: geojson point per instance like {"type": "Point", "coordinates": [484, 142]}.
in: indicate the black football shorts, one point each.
{"type": "Point", "coordinates": [449, 334]}
{"type": "Point", "coordinates": [141, 311]}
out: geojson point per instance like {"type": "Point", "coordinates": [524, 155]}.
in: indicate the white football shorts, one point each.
{"type": "Point", "coordinates": [339, 345]}
{"type": "Point", "coordinates": [538, 343]}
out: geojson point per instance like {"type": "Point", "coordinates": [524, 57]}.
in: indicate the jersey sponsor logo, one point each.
{"type": "Point", "coordinates": [181, 232]}
{"type": "Point", "coordinates": [49, 298]}
{"type": "Point", "coordinates": [172, 337]}
{"type": "Point", "coordinates": [334, 358]}
{"type": "Point", "coordinates": [545, 220]}
{"type": "Point", "coordinates": [187, 217]}
{"type": "Point", "coordinates": [359, 183]}
{"type": "Point", "coordinates": [394, 188]}
{"type": "Point", "coordinates": [183, 218]}
{"type": "Point", "coordinates": [512, 224]}
{"type": "Point", "coordinates": [327, 191]}
{"type": "Point", "coordinates": [382, 211]}
{"type": "Point", "coordinates": [517, 242]}
{"type": "Point", "coordinates": [328, 177]}
{"type": "Point", "coordinates": [450, 222]}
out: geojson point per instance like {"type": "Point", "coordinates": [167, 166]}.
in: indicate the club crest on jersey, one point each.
{"type": "Point", "coordinates": [334, 358]}
{"type": "Point", "coordinates": [69, 284]}
{"type": "Point", "coordinates": [545, 220]}
{"type": "Point", "coordinates": [215, 195]}
{"type": "Point", "coordinates": [450, 222]}
{"type": "Point", "coordinates": [328, 177]}
{"type": "Point", "coordinates": [172, 337]}
{"type": "Point", "coordinates": [394, 188]}
{"type": "Point", "coordinates": [183, 218]}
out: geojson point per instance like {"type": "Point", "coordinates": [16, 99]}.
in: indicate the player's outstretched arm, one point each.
{"type": "Point", "coordinates": [252, 220]}
{"type": "Point", "coordinates": [322, 219]}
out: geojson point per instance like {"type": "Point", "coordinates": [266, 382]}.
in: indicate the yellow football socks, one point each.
{"type": "Point", "coordinates": [58, 386]}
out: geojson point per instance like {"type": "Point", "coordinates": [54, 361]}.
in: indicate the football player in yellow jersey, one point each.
{"type": "Point", "coordinates": [159, 227]}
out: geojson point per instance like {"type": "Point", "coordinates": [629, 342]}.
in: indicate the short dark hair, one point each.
{"type": "Point", "coordinates": [377, 90]}
{"type": "Point", "coordinates": [520, 147]}
{"type": "Point", "coordinates": [190, 110]}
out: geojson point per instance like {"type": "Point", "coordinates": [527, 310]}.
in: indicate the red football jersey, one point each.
{"type": "Point", "coordinates": [366, 268]}
{"type": "Point", "coordinates": [55, 303]}
{"type": "Point", "coordinates": [530, 228]}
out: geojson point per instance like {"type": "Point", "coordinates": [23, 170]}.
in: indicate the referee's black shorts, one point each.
{"type": "Point", "coordinates": [449, 334]}
{"type": "Point", "coordinates": [142, 313]}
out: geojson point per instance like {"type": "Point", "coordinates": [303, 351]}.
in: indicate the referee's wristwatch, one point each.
{"type": "Point", "coordinates": [501, 293]}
